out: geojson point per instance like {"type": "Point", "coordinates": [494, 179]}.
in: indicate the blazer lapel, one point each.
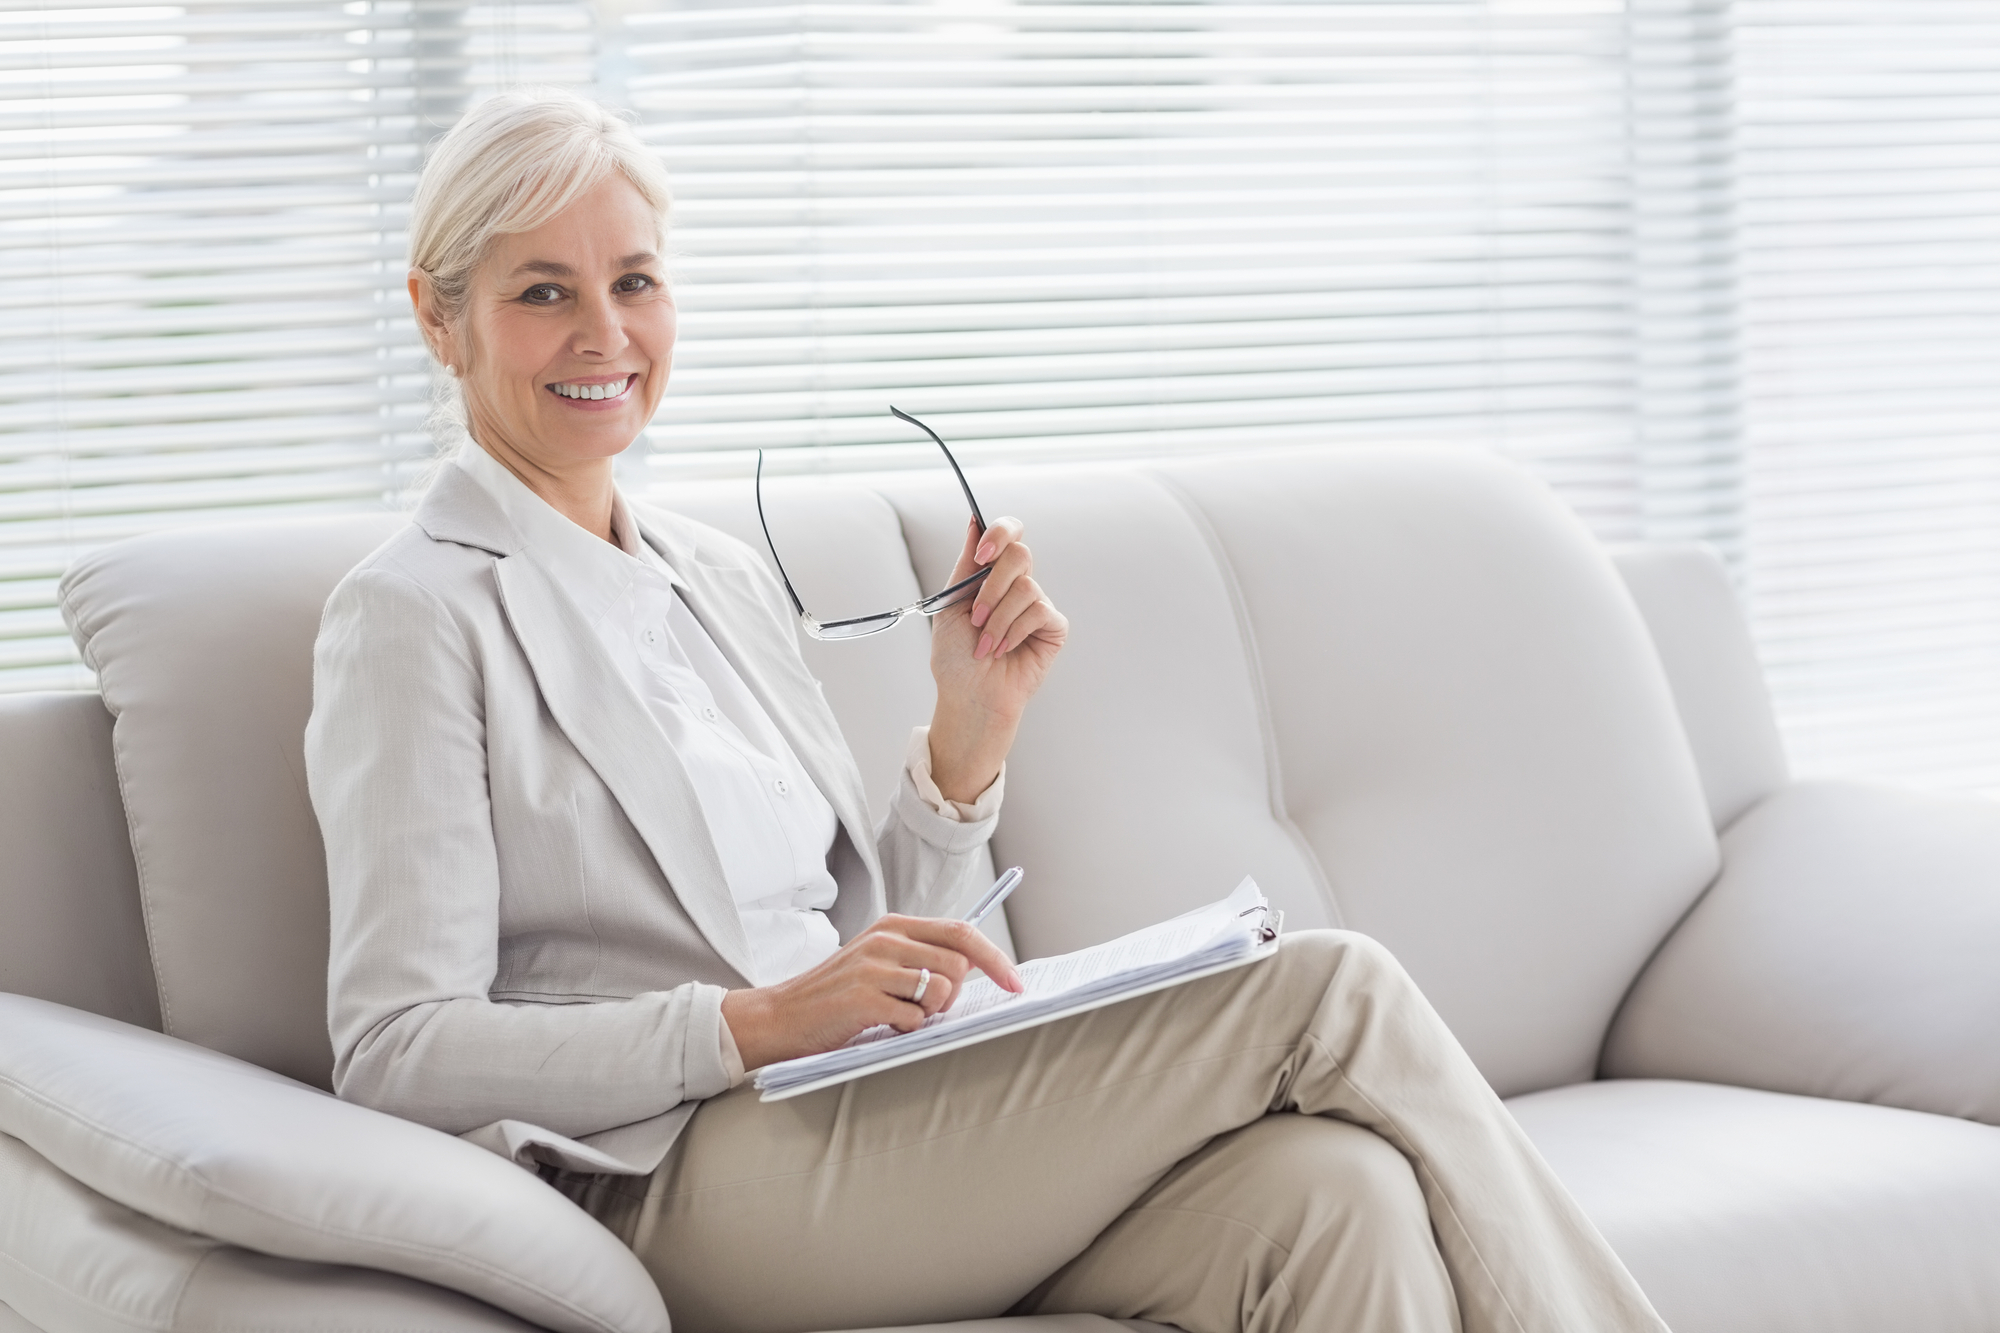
{"type": "Point", "coordinates": [606, 720]}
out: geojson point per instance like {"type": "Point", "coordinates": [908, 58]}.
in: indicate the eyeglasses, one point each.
{"type": "Point", "coordinates": [861, 627]}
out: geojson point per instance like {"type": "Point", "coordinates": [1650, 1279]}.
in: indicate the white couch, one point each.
{"type": "Point", "coordinates": [1753, 1023]}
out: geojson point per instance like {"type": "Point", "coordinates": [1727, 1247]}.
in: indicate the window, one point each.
{"type": "Point", "coordinates": [1725, 271]}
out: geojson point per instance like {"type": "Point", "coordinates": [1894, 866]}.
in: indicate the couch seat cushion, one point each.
{"type": "Point", "coordinates": [1759, 1212]}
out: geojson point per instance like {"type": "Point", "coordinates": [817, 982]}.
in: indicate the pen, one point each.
{"type": "Point", "coordinates": [994, 896]}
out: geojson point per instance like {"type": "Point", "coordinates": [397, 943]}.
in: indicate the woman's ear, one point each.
{"type": "Point", "coordinates": [431, 321]}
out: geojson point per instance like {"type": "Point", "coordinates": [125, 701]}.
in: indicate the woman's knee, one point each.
{"type": "Point", "coordinates": [1334, 953]}
{"type": "Point", "coordinates": [1343, 1165]}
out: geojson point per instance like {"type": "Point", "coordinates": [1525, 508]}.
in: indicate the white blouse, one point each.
{"type": "Point", "coordinates": [771, 825]}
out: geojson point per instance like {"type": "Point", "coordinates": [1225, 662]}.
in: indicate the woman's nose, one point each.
{"type": "Point", "coordinates": [599, 331]}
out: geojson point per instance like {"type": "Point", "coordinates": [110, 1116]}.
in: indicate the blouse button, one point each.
{"type": "Point", "coordinates": [649, 635]}
{"type": "Point", "coordinates": [711, 714]}
{"type": "Point", "coordinates": [784, 787]}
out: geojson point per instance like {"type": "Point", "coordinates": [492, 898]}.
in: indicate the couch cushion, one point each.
{"type": "Point", "coordinates": [70, 926]}
{"type": "Point", "coordinates": [1141, 785]}
{"type": "Point", "coordinates": [221, 1148]}
{"type": "Point", "coordinates": [1407, 677]}
{"type": "Point", "coordinates": [1755, 1212]}
{"type": "Point", "coordinates": [1704, 643]}
{"type": "Point", "coordinates": [1847, 950]}
{"type": "Point", "coordinates": [80, 1263]}
{"type": "Point", "coordinates": [202, 643]}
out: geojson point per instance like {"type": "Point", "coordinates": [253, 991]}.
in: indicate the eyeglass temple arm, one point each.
{"type": "Point", "coordinates": [783, 577]}
{"type": "Point", "coordinates": [963, 485]}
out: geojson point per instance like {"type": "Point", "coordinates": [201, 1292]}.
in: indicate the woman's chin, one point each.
{"type": "Point", "coordinates": [597, 435]}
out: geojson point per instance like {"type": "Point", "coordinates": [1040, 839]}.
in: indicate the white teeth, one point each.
{"type": "Point", "coordinates": [594, 391]}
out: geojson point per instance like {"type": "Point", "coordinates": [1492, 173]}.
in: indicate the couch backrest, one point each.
{"type": "Point", "coordinates": [1704, 643]}
{"type": "Point", "coordinates": [70, 926]}
{"type": "Point", "coordinates": [1405, 691]}
{"type": "Point", "coordinates": [202, 642]}
{"type": "Point", "coordinates": [1404, 688]}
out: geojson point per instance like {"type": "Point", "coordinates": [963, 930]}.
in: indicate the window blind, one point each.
{"type": "Point", "coordinates": [1078, 228]}
{"type": "Point", "coordinates": [1868, 243]}
{"type": "Point", "coordinates": [201, 263]}
{"type": "Point", "coordinates": [1718, 269]}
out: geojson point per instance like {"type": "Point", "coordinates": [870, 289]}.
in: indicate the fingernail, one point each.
{"type": "Point", "coordinates": [980, 613]}
{"type": "Point", "coordinates": [985, 646]}
{"type": "Point", "coordinates": [984, 553]}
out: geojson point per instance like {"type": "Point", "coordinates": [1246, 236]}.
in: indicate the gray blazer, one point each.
{"type": "Point", "coordinates": [531, 931]}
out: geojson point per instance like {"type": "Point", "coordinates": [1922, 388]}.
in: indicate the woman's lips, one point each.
{"type": "Point", "coordinates": [617, 391]}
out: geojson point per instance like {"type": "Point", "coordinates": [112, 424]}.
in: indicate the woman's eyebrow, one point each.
{"type": "Point", "coordinates": [555, 269]}
{"type": "Point", "coordinates": [546, 267]}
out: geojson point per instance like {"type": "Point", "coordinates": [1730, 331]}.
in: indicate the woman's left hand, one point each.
{"type": "Point", "coordinates": [989, 656]}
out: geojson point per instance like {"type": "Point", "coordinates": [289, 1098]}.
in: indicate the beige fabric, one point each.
{"type": "Point", "coordinates": [1849, 949]}
{"type": "Point", "coordinates": [70, 926]}
{"type": "Point", "coordinates": [951, 1188]}
{"type": "Point", "coordinates": [1755, 1212]}
{"type": "Point", "coordinates": [1704, 643]}
{"type": "Point", "coordinates": [530, 923]}
{"type": "Point", "coordinates": [1058, 1323]}
{"type": "Point", "coordinates": [216, 1147]}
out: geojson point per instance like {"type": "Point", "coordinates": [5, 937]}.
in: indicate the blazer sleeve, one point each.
{"type": "Point", "coordinates": [396, 762]}
{"type": "Point", "coordinates": [932, 864]}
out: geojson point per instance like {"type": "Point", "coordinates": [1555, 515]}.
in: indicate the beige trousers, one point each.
{"type": "Point", "coordinates": [1297, 1144]}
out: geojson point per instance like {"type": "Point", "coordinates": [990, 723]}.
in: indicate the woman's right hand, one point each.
{"type": "Point", "coordinates": [869, 982]}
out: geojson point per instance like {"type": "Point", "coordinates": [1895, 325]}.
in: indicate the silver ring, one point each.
{"type": "Point", "coordinates": [923, 984]}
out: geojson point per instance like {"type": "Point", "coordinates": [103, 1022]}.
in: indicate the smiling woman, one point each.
{"type": "Point", "coordinates": [539, 287]}
{"type": "Point", "coordinates": [596, 846]}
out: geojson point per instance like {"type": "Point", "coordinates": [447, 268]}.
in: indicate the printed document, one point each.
{"type": "Point", "coordinates": [1240, 929]}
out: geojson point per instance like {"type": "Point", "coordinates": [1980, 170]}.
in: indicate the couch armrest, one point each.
{"type": "Point", "coordinates": [72, 1259]}
{"type": "Point", "coordinates": [1849, 949]}
{"type": "Point", "coordinates": [220, 1148]}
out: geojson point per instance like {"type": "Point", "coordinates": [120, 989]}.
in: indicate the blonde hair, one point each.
{"type": "Point", "coordinates": [512, 163]}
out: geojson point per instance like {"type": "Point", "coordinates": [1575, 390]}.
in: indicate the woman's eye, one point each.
{"type": "Point", "coordinates": [633, 282]}
{"type": "Point", "coordinates": [544, 294]}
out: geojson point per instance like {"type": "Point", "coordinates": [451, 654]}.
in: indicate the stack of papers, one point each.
{"type": "Point", "coordinates": [1240, 929]}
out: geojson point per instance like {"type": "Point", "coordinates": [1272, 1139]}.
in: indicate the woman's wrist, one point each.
{"type": "Point", "coordinates": [967, 752]}
{"type": "Point", "coordinates": [751, 1017]}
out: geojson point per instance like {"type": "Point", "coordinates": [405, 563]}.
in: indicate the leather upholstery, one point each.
{"type": "Point", "coordinates": [202, 641]}
{"type": "Point", "coordinates": [211, 1145]}
{"type": "Point", "coordinates": [70, 926]}
{"type": "Point", "coordinates": [83, 1264]}
{"type": "Point", "coordinates": [1404, 690]}
{"type": "Point", "coordinates": [1704, 644]}
{"type": "Point", "coordinates": [1800, 973]}
{"type": "Point", "coordinates": [1752, 1212]}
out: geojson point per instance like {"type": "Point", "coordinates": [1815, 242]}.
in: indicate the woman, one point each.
{"type": "Point", "coordinates": [596, 848]}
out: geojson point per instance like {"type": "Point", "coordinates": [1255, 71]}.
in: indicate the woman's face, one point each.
{"type": "Point", "coordinates": [568, 333]}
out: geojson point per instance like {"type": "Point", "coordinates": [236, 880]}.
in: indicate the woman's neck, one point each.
{"type": "Point", "coordinates": [581, 491]}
